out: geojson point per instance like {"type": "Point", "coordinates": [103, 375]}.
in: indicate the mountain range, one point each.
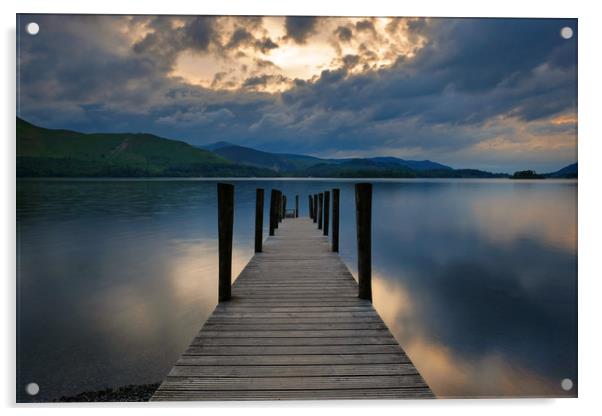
{"type": "Point", "coordinates": [285, 162]}
{"type": "Point", "coordinates": [45, 152]}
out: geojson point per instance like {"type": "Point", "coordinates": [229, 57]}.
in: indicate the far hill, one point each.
{"type": "Point", "coordinates": [287, 162]}
{"type": "Point", "coordinates": [410, 164]}
{"type": "Point", "coordinates": [211, 147]}
{"type": "Point", "coordinates": [567, 172]}
{"type": "Point", "coordinates": [47, 152]}
{"type": "Point", "coordinates": [252, 157]}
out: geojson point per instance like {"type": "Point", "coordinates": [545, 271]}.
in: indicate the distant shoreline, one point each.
{"type": "Point", "coordinates": [43, 152]}
{"type": "Point", "coordinates": [276, 178]}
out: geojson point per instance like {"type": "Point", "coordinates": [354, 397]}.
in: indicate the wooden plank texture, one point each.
{"type": "Point", "coordinates": [294, 329]}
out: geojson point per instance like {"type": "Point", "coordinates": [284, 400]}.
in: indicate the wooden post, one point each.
{"type": "Point", "coordinates": [335, 220]}
{"type": "Point", "coordinates": [283, 206]}
{"type": "Point", "coordinates": [315, 208]}
{"type": "Point", "coordinates": [326, 212]}
{"type": "Point", "coordinates": [311, 207]}
{"type": "Point", "coordinates": [363, 215]}
{"type": "Point", "coordinates": [258, 220]}
{"type": "Point", "coordinates": [273, 195]}
{"type": "Point", "coordinates": [225, 222]}
{"type": "Point", "coordinates": [296, 206]}
{"type": "Point", "coordinates": [320, 209]}
{"type": "Point", "coordinates": [277, 208]}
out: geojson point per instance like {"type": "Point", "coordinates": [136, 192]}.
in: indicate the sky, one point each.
{"type": "Point", "coordinates": [493, 94]}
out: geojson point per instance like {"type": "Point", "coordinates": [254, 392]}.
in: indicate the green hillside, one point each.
{"type": "Point", "coordinates": [46, 152]}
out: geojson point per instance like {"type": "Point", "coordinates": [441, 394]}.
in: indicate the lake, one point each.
{"type": "Point", "coordinates": [477, 279]}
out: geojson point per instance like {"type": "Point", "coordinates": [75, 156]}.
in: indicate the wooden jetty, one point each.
{"type": "Point", "coordinates": [294, 325]}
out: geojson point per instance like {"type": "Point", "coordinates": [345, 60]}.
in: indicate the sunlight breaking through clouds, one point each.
{"type": "Point", "coordinates": [263, 56]}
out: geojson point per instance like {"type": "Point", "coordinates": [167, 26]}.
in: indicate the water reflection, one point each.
{"type": "Point", "coordinates": [476, 279]}
{"type": "Point", "coordinates": [484, 304]}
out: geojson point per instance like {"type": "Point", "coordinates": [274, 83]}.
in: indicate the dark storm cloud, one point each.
{"type": "Point", "coordinates": [351, 61]}
{"type": "Point", "coordinates": [365, 25]}
{"type": "Point", "coordinates": [165, 42]}
{"type": "Point", "coordinates": [344, 33]}
{"type": "Point", "coordinates": [242, 37]}
{"type": "Point", "coordinates": [265, 44]}
{"type": "Point", "coordinates": [198, 32]}
{"type": "Point", "coordinates": [264, 81]}
{"type": "Point", "coordinates": [299, 28]}
{"type": "Point", "coordinates": [470, 72]}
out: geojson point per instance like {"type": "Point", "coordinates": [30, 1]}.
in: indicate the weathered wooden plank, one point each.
{"type": "Point", "coordinates": [279, 302]}
{"type": "Point", "coordinates": [317, 359]}
{"type": "Point", "coordinates": [340, 394]}
{"type": "Point", "coordinates": [350, 315]}
{"type": "Point", "coordinates": [291, 309]}
{"type": "Point", "coordinates": [316, 292]}
{"type": "Point", "coordinates": [236, 326]}
{"type": "Point", "coordinates": [291, 383]}
{"type": "Point", "coordinates": [298, 341]}
{"type": "Point", "coordinates": [344, 333]}
{"type": "Point", "coordinates": [288, 320]}
{"type": "Point", "coordinates": [298, 296]}
{"type": "Point", "coordinates": [293, 349]}
{"type": "Point", "coordinates": [291, 370]}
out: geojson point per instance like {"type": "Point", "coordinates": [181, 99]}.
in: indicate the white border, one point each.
{"type": "Point", "coordinates": [590, 207]}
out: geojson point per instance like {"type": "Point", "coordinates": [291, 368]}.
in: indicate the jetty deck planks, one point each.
{"type": "Point", "coordinates": [294, 329]}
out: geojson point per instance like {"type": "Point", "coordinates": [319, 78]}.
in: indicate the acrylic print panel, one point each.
{"type": "Point", "coordinates": [394, 200]}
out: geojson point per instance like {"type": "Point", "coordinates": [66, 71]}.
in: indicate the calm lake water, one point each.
{"type": "Point", "coordinates": [477, 279]}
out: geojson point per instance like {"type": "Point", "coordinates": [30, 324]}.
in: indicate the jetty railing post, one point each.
{"type": "Point", "coordinates": [363, 215]}
{"type": "Point", "coordinates": [315, 208]}
{"type": "Point", "coordinates": [273, 211]}
{"type": "Point", "coordinates": [283, 206]}
{"type": "Point", "coordinates": [326, 212]}
{"type": "Point", "coordinates": [311, 207]}
{"type": "Point", "coordinates": [296, 206]}
{"type": "Point", "coordinates": [320, 209]}
{"type": "Point", "coordinates": [258, 220]}
{"type": "Point", "coordinates": [335, 220]}
{"type": "Point", "coordinates": [225, 222]}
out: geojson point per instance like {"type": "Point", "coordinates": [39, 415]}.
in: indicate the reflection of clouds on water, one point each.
{"type": "Point", "coordinates": [528, 214]}
{"type": "Point", "coordinates": [482, 298]}
{"type": "Point", "coordinates": [186, 277]}
{"type": "Point", "coordinates": [449, 372]}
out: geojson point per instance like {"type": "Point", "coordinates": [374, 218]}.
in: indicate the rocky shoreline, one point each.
{"type": "Point", "coordinates": [129, 393]}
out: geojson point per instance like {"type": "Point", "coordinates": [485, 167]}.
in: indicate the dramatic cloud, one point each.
{"type": "Point", "coordinates": [498, 94]}
{"type": "Point", "coordinates": [300, 27]}
{"type": "Point", "coordinates": [344, 33]}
